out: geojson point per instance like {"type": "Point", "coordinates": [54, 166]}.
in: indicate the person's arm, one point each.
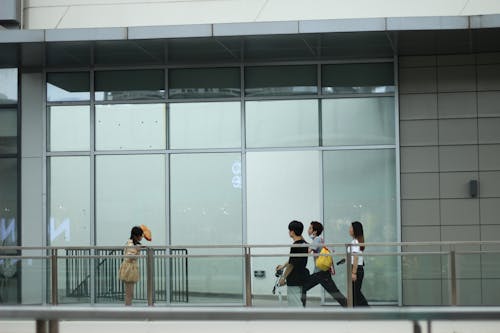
{"type": "Point", "coordinates": [354, 268]}
{"type": "Point", "coordinates": [288, 268]}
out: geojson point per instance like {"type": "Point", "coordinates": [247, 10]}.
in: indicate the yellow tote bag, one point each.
{"type": "Point", "coordinates": [324, 261]}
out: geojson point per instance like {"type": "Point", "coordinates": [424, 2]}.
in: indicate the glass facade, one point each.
{"type": "Point", "coordinates": [9, 184]}
{"type": "Point", "coordinates": [205, 125]}
{"type": "Point", "coordinates": [223, 160]}
{"type": "Point", "coordinates": [292, 123]}
{"type": "Point", "coordinates": [130, 126]}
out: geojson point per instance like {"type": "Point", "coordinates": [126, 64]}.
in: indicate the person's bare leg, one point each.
{"type": "Point", "coordinates": [129, 293]}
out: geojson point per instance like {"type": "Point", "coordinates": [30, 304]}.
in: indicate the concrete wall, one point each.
{"type": "Point", "coordinates": [54, 14]}
{"type": "Point", "coordinates": [450, 134]}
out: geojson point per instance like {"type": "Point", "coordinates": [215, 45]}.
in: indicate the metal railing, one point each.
{"type": "Point", "coordinates": [47, 318]}
{"type": "Point", "coordinates": [165, 270]}
{"type": "Point", "coordinates": [109, 289]}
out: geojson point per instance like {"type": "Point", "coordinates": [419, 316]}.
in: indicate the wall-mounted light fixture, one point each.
{"type": "Point", "coordinates": [473, 188]}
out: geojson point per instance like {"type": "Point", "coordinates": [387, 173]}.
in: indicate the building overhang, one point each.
{"type": "Point", "coordinates": [320, 40]}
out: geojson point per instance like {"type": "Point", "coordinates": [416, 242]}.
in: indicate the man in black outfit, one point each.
{"type": "Point", "coordinates": [295, 269]}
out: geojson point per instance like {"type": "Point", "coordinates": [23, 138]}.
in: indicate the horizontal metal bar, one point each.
{"type": "Point", "coordinates": [246, 314]}
{"type": "Point", "coordinates": [256, 246]}
{"type": "Point", "coordinates": [340, 255]}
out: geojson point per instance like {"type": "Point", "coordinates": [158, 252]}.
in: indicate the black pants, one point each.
{"type": "Point", "coordinates": [325, 279]}
{"type": "Point", "coordinates": [358, 297]}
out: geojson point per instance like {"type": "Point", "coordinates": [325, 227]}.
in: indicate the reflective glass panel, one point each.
{"type": "Point", "coordinates": [8, 131]}
{"type": "Point", "coordinates": [206, 208]}
{"type": "Point", "coordinates": [69, 128]}
{"type": "Point", "coordinates": [204, 82]}
{"type": "Point", "coordinates": [8, 201]}
{"type": "Point", "coordinates": [360, 185]}
{"type": "Point", "coordinates": [130, 126]}
{"type": "Point", "coordinates": [9, 231]}
{"type": "Point", "coordinates": [8, 85]}
{"type": "Point", "coordinates": [357, 78]}
{"type": "Point", "coordinates": [281, 187]}
{"type": "Point", "coordinates": [130, 190]}
{"type": "Point", "coordinates": [281, 80]}
{"type": "Point", "coordinates": [282, 123]}
{"type": "Point", "coordinates": [205, 125]}
{"type": "Point", "coordinates": [69, 208]}
{"type": "Point", "coordinates": [68, 86]}
{"type": "Point", "coordinates": [358, 121]}
{"type": "Point", "coordinates": [129, 85]}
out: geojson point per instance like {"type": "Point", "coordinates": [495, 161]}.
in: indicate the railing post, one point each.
{"type": "Point", "coordinates": [348, 262]}
{"type": "Point", "coordinates": [453, 278]}
{"type": "Point", "coordinates": [53, 277]}
{"type": "Point", "coordinates": [54, 326]}
{"type": "Point", "coordinates": [41, 326]}
{"type": "Point", "coordinates": [248, 278]}
{"type": "Point", "coordinates": [149, 274]}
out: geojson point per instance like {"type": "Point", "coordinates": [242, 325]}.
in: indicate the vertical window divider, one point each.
{"type": "Point", "coordinates": [320, 108]}
{"type": "Point", "coordinates": [398, 178]}
{"type": "Point", "coordinates": [92, 182]}
{"type": "Point", "coordinates": [45, 181]}
{"type": "Point", "coordinates": [244, 236]}
{"type": "Point", "coordinates": [168, 236]}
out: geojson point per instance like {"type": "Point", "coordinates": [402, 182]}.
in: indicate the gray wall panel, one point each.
{"type": "Point", "coordinates": [418, 106]}
{"type": "Point", "coordinates": [417, 80]}
{"type": "Point", "coordinates": [488, 77]}
{"type": "Point", "coordinates": [488, 103]}
{"type": "Point", "coordinates": [420, 186]}
{"type": "Point", "coordinates": [457, 131]}
{"type": "Point", "coordinates": [419, 159]}
{"type": "Point", "coordinates": [489, 157]}
{"type": "Point", "coordinates": [457, 105]}
{"type": "Point", "coordinates": [420, 212]}
{"type": "Point", "coordinates": [458, 158]}
{"type": "Point", "coordinates": [489, 130]}
{"type": "Point", "coordinates": [459, 212]}
{"type": "Point", "coordinates": [418, 133]}
{"type": "Point", "coordinates": [456, 78]}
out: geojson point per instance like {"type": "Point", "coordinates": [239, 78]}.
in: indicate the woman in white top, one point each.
{"type": "Point", "coordinates": [358, 272]}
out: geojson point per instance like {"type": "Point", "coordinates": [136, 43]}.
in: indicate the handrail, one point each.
{"type": "Point", "coordinates": [255, 246]}
{"type": "Point", "coordinates": [61, 312]}
{"type": "Point", "coordinates": [51, 315]}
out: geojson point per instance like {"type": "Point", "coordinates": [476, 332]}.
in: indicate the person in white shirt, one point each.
{"type": "Point", "coordinates": [321, 277]}
{"type": "Point", "coordinates": [358, 272]}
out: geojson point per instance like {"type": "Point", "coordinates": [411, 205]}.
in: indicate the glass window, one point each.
{"type": "Point", "coordinates": [9, 232]}
{"type": "Point", "coordinates": [8, 201]}
{"type": "Point", "coordinates": [281, 80]}
{"type": "Point", "coordinates": [281, 186]}
{"type": "Point", "coordinates": [206, 208]}
{"type": "Point", "coordinates": [69, 128]}
{"type": "Point", "coordinates": [130, 191]}
{"type": "Point", "coordinates": [8, 85]}
{"type": "Point", "coordinates": [8, 131]}
{"type": "Point", "coordinates": [282, 123]}
{"type": "Point", "coordinates": [69, 207]}
{"type": "Point", "coordinates": [130, 126]}
{"type": "Point", "coordinates": [358, 121]}
{"type": "Point", "coordinates": [360, 185]}
{"type": "Point", "coordinates": [358, 78]}
{"type": "Point", "coordinates": [205, 125]}
{"type": "Point", "coordinates": [129, 85]}
{"type": "Point", "coordinates": [204, 82]}
{"type": "Point", "coordinates": [68, 86]}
